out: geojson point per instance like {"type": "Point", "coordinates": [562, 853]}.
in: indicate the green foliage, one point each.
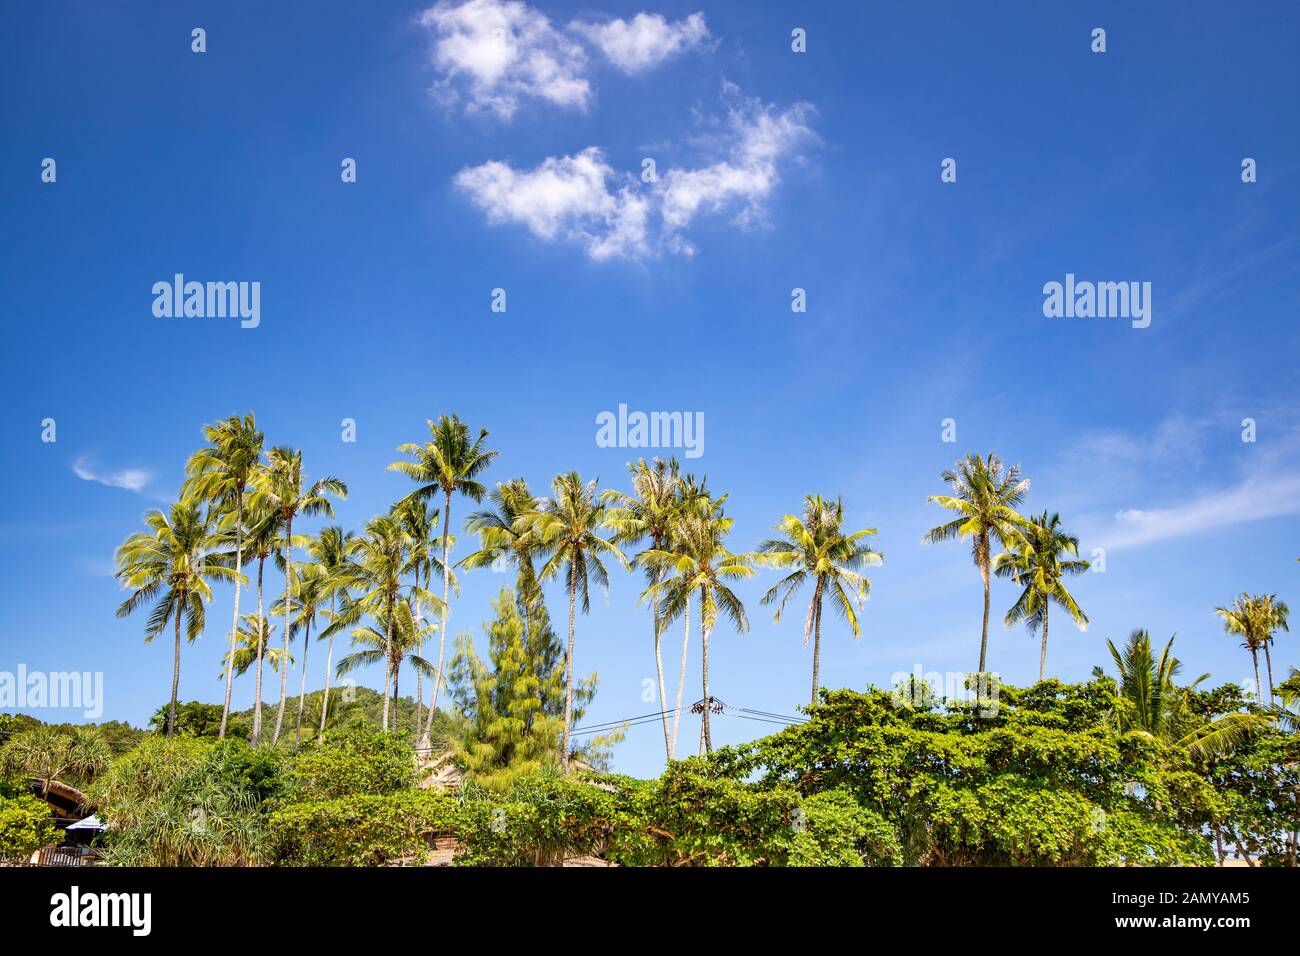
{"type": "Point", "coordinates": [512, 713]}
{"type": "Point", "coordinates": [47, 753]}
{"type": "Point", "coordinates": [351, 763]}
{"type": "Point", "coordinates": [187, 802]}
{"type": "Point", "coordinates": [367, 830]}
{"type": "Point", "coordinates": [25, 826]}
{"type": "Point", "coordinates": [539, 821]}
{"type": "Point", "coordinates": [1043, 781]}
{"type": "Point", "coordinates": [197, 719]}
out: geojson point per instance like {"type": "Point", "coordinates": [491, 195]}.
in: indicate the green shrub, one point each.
{"type": "Point", "coordinates": [368, 830]}
{"type": "Point", "coordinates": [25, 827]}
{"type": "Point", "coordinates": [353, 763]}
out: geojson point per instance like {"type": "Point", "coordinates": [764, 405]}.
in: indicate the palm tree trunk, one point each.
{"type": "Point", "coordinates": [705, 729]}
{"type": "Point", "coordinates": [681, 677]}
{"type": "Point", "coordinates": [261, 633]}
{"type": "Point", "coordinates": [302, 685]}
{"type": "Point", "coordinates": [329, 666]}
{"type": "Point", "coordinates": [442, 627]}
{"type": "Point", "coordinates": [176, 671]}
{"type": "Point", "coordinates": [288, 594]}
{"type": "Point", "coordinates": [984, 632]}
{"type": "Point", "coordinates": [815, 613]}
{"type": "Point", "coordinates": [1042, 654]}
{"type": "Point", "coordinates": [1268, 659]}
{"type": "Point", "coordinates": [1259, 686]}
{"type": "Point", "coordinates": [388, 659]}
{"type": "Point", "coordinates": [419, 678]}
{"type": "Point", "coordinates": [568, 667]}
{"type": "Point", "coordinates": [659, 672]}
{"type": "Point", "coordinates": [234, 626]}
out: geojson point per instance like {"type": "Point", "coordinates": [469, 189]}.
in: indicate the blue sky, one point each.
{"type": "Point", "coordinates": [519, 167]}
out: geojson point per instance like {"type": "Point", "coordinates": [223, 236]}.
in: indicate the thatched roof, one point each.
{"type": "Point", "coordinates": [64, 799]}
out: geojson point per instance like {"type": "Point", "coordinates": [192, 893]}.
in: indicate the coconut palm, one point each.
{"type": "Point", "coordinates": [1036, 564]}
{"type": "Point", "coordinates": [449, 463]}
{"type": "Point", "coordinates": [253, 645]}
{"type": "Point", "coordinates": [984, 496]}
{"type": "Point", "coordinates": [693, 501]}
{"type": "Point", "coordinates": [308, 600]}
{"type": "Point", "coordinates": [568, 526]}
{"type": "Point", "coordinates": [1155, 706]}
{"type": "Point", "coordinates": [221, 473]}
{"type": "Point", "coordinates": [334, 550]}
{"type": "Point", "coordinates": [818, 550]}
{"type": "Point", "coordinates": [699, 564]}
{"type": "Point", "coordinates": [650, 513]}
{"type": "Point", "coordinates": [1255, 618]}
{"type": "Point", "coordinates": [393, 642]}
{"type": "Point", "coordinates": [506, 533]}
{"type": "Point", "coordinates": [419, 521]}
{"type": "Point", "coordinates": [283, 488]}
{"type": "Point", "coordinates": [376, 584]}
{"type": "Point", "coordinates": [171, 566]}
{"type": "Point", "coordinates": [263, 540]}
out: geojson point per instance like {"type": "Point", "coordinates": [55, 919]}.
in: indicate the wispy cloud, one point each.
{"type": "Point", "coordinates": [1255, 498]}
{"type": "Point", "coordinates": [132, 479]}
{"type": "Point", "coordinates": [581, 198]}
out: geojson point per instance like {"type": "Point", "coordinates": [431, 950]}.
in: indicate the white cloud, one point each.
{"type": "Point", "coordinates": [571, 197]}
{"type": "Point", "coordinates": [1253, 499]}
{"type": "Point", "coordinates": [581, 197]}
{"type": "Point", "coordinates": [132, 479]}
{"type": "Point", "coordinates": [500, 51]}
{"type": "Point", "coordinates": [645, 41]}
{"type": "Point", "coordinates": [762, 137]}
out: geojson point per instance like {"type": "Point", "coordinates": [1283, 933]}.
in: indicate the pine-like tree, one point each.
{"type": "Point", "coordinates": [511, 706]}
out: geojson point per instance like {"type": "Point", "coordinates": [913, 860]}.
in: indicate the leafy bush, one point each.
{"type": "Point", "coordinates": [1045, 780]}
{"type": "Point", "coordinates": [25, 827]}
{"type": "Point", "coordinates": [368, 830]}
{"type": "Point", "coordinates": [352, 763]}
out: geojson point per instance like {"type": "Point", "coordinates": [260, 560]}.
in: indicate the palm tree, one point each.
{"type": "Point", "coordinates": [984, 495]}
{"type": "Point", "coordinates": [377, 581]}
{"type": "Point", "coordinates": [253, 645]}
{"type": "Point", "coordinates": [264, 541]}
{"type": "Point", "coordinates": [449, 463]}
{"type": "Point", "coordinates": [1255, 618]}
{"type": "Point", "coordinates": [283, 488]}
{"type": "Point", "coordinates": [419, 521]}
{"type": "Point", "coordinates": [395, 641]}
{"type": "Point", "coordinates": [333, 550]}
{"type": "Point", "coordinates": [221, 473]}
{"type": "Point", "coordinates": [1157, 708]}
{"type": "Point", "coordinates": [698, 563]}
{"type": "Point", "coordinates": [567, 526]}
{"type": "Point", "coordinates": [507, 533]}
{"type": "Point", "coordinates": [650, 512]}
{"type": "Point", "coordinates": [171, 564]}
{"type": "Point", "coordinates": [819, 551]}
{"type": "Point", "coordinates": [314, 586]}
{"type": "Point", "coordinates": [1038, 566]}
